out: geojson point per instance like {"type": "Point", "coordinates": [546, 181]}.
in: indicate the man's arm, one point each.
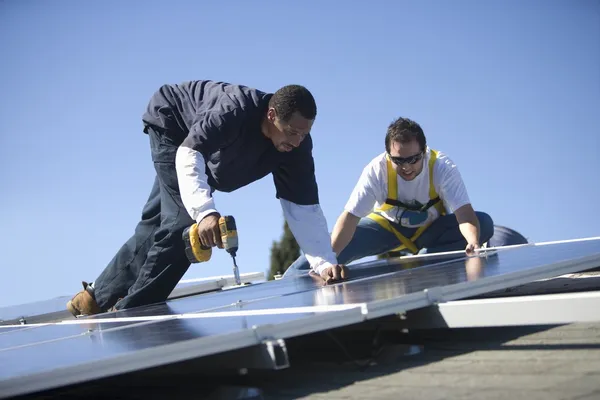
{"type": "Point", "coordinates": [360, 204]}
{"type": "Point", "coordinates": [309, 227]}
{"type": "Point", "coordinates": [468, 224]}
{"type": "Point", "coordinates": [454, 192]}
{"type": "Point", "coordinates": [196, 194]}
{"type": "Point", "coordinates": [297, 191]}
{"type": "Point", "coordinates": [193, 183]}
{"type": "Point", "coordinates": [343, 231]}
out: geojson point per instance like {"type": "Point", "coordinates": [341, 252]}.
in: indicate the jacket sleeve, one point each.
{"type": "Point", "coordinates": [295, 178]}
{"type": "Point", "coordinates": [297, 191]}
{"type": "Point", "coordinates": [309, 227]}
{"type": "Point", "coordinates": [205, 137]}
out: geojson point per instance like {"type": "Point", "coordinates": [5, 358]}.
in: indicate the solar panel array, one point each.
{"type": "Point", "coordinates": [41, 356]}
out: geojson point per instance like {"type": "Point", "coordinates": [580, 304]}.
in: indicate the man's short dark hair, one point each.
{"type": "Point", "coordinates": [292, 98]}
{"type": "Point", "coordinates": [404, 130]}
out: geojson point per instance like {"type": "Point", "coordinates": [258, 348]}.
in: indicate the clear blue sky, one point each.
{"type": "Point", "coordinates": [509, 89]}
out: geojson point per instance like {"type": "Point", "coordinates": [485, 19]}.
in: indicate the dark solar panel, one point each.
{"type": "Point", "coordinates": [30, 335]}
{"type": "Point", "coordinates": [10, 313]}
{"type": "Point", "coordinates": [381, 280]}
{"type": "Point", "coordinates": [114, 349]}
{"type": "Point", "coordinates": [54, 309]}
{"type": "Point", "coordinates": [269, 294]}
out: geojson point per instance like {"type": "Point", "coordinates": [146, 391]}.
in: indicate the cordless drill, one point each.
{"type": "Point", "coordinates": [197, 253]}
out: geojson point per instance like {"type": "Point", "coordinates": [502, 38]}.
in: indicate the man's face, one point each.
{"type": "Point", "coordinates": [407, 159]}
{"type": "Point", "coordinates": [287, 135]}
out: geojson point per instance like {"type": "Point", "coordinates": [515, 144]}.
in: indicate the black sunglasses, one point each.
{"type": "Point", "coordinates": [406, 160]}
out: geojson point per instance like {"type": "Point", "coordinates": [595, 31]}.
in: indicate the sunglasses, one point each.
{"type": "Point", "coordinates": [406, 160]}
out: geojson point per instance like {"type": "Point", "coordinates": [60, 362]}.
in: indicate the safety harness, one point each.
{"type": "Point", "coordinates": [392, 201]}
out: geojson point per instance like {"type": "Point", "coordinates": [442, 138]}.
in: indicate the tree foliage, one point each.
{"type": "Point", "coordinates": [283, 252]}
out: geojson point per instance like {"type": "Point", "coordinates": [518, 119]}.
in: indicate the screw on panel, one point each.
{"type": "Point", "coordinates": [22, 321]}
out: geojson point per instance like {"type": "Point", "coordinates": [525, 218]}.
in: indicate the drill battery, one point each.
{"type": "Point", "coordinates": [194, 250]}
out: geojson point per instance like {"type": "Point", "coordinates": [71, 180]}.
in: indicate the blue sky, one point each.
{"type": "Point", "coordinates": [509, 89]}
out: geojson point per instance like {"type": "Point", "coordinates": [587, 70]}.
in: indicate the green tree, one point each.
{"type": "Point", "coordinates": [283, 253]}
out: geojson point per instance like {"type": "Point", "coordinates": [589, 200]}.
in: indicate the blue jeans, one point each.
{"type": "Point", "coordinates": [152, 261]}
{"type": "Point", "coordinates": [371, 239]}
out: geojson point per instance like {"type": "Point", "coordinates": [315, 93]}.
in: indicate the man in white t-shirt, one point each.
{"type": "Point", "coordinates": [409, 198]}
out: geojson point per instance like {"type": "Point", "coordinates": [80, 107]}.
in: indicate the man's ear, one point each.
{"type": "Point", "coordinates": [271, 114]}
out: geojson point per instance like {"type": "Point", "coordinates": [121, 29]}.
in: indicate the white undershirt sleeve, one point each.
{"type": "Point", "coordinates": [309, 227]}
{"type": "Point", "coordinates": [364, 195]}
{"type": "Point", "coordinates": [193, 183]}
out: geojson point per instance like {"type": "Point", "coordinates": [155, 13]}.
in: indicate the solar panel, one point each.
{"type": "Point", "coordinates": [53, 309]}
{"type": "Point", "coordinates": [35, 334]}
{"type": "Point", "coordinates": [13, 314]}
{"type": "Point", "coordinates": [11, 328]}
{"type": "Point", "coordinates": [397, 276]}
{"type": "Point", "coordinates": [115, 349]}
{"type": "Point", "coordinates": [44, 356]}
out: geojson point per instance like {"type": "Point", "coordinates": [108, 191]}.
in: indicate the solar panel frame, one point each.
{"type": "Point", "coordinates": [520, 310]}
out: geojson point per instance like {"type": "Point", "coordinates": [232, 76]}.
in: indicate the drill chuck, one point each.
{"type": "Point", "coordinates": [229, 236]}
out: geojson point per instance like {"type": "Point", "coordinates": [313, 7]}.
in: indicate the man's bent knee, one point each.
{"type": "Point", "coordinates": [298, 267]}
{"type": "Point", "coordinates": [486, 226]}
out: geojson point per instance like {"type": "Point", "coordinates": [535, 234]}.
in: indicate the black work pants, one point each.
{"type": "Point", "coordinates": [152, 261]}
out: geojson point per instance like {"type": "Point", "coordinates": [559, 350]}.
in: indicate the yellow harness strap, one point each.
{"type": "Point", "coordinates": [406, 243]}
{"type": "Point", "coordinates": [392, 185]}
{"type": "Point", "coordinates": [392, 178]}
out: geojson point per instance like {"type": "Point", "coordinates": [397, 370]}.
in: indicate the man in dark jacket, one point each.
{"type": "Point", "coordinates": [207, 136]}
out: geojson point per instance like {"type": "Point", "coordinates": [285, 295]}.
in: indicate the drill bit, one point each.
{"type": "Point", "coordinates": [236, 272]}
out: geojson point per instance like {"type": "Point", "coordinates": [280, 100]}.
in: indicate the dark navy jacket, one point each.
{"type": "Point", "coordinates": [222, 121]}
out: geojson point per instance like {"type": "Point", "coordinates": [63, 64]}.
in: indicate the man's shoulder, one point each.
{"type": "Point", "coordinates": [209, 91]}
{"type": "Point", "coordinates": [375, 170]}
{"type": "Point", "coordinates": [230, 104]}
{"type": "Point", "coordinates": [377, 161]}
{"type": "Point", "coordinates": [443, 161]}
{"type": "Point", "coordinates": [445, 170]}
{"type": "Point", "coordinates": [214, 96]}
{"type": "Point", "coordinates": [377, 164]}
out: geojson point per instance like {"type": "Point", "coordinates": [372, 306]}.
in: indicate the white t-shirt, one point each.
{"type": "Point", "coordinates": [371, 191]}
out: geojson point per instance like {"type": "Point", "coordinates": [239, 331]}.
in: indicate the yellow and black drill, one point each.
{"type": "Point", "coordinates": [196, 253]}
